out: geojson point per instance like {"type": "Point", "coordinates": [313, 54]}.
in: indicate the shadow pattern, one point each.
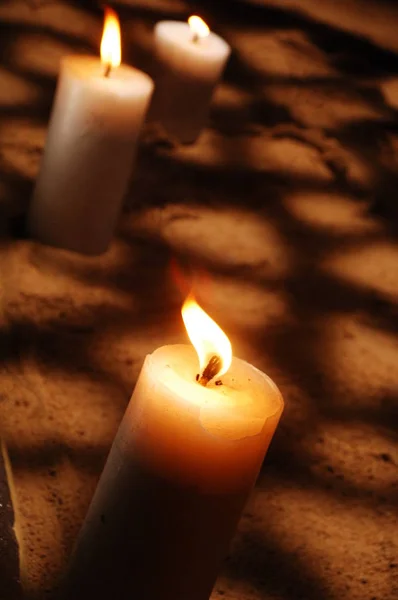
{"type": "Point", "coordinates": [356, 149]}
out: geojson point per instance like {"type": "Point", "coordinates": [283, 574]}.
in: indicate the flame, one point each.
{"type": "Point", "coordinates": [206, 336]}
{"type": "Point", "coordinates": [198, 27]}
{"type": "Point", "coordinates": [111, 52]}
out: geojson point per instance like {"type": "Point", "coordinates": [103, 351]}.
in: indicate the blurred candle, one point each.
{"type": "Point", "coordinates": [96, 119]}
{"type": "Point", "coordinates": [183, 463]}
{"type": "Point", "coordinates": [191, 60]}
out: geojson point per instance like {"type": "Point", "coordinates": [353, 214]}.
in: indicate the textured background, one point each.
{"type": "Point", "coordinates": [285, 214]}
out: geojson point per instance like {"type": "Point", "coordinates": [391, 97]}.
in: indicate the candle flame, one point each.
{"type": "Point", "coordinates": [207, 337]}
{"type": "Point", "coordinates": [111, 52]}
{"type": "Point", "coordinates": [198, 27]}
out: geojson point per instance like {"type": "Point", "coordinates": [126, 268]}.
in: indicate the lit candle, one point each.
{"type": "Point", "coordinates": [191, 61]}
{"type": "Point", "coordinates": [96, 119]}
{"type": "Point", "coordinates": [180, 470]}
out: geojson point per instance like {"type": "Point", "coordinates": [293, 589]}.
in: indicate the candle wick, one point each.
{"type": "Point", "coordinates": [213, 367]}
{"type": "Point", "coordinates": [108, 68]}
{"type": "Point", "coordinates": [195, 38]}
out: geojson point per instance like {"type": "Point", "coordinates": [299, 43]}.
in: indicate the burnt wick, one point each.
{"type": "Point", "coordinates": [218, 382]}
{"type": "Point", "coordinates": [108, 68]}
{"type": "Point", "coordinates": [213, 367]}
{"type": "Point", "coordinates": [197, 377]}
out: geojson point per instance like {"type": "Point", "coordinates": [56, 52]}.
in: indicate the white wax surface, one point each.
{"type": "Point", "coordinates": [204, 59]}
{"type": "Point", "coordinates": [233, 410]}
{"type": "Point", "coordinates": [89, 154]}
{"type": "Point", "coordinates": [213, 437]}
{"type": "Point", "coordinates": [188, 72]}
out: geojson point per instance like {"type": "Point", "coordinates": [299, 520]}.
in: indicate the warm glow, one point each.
{"type": "Point", "coordinates": [111, 52]}
{"type": "Point", "coordinates": [206, 336]}
{"type": "Point", "coordinates": [198, 27]}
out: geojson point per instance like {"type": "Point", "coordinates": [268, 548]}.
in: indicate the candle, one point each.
{"type": "Point", "coordinates": [191, 60]}
{"type": "Point", "coordinates": [96, 119]}
{"type": "Point", "coordinates": [182, 465]}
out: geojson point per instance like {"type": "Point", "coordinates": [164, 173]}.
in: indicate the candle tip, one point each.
{"type": "Point", "coordinates": [211, 370]}
{"type": "Point", "coordinates": [111, 52]}
{"type": "Point", "coordinates": [199, 28]}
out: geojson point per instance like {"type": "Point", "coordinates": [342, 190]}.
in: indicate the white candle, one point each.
{"type": "Point", "coordinates": [191, 60]}
{"type": "Point", "coordinates": [96, 119]}
{"type": "Point", "coordinates": [182, 465]}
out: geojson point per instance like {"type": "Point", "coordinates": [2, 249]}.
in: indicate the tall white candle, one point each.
{"type": "Point", "coordinates": [180, 470]}
{"type": "Point", "coordinates": [96, 119]}
{"type": "Point", "coordinates": [191, 60]}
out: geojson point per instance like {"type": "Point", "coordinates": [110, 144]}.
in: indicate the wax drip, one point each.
{"type": "Point", "coordinates": [212, 369]}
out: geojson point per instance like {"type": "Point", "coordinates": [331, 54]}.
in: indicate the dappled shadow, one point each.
{"type": "Point", "coordinates": [285, 573]}
{"type": "Point", "coordinates": [49, 454]}
{"type": "Point", "coordinates": [279, 131]}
